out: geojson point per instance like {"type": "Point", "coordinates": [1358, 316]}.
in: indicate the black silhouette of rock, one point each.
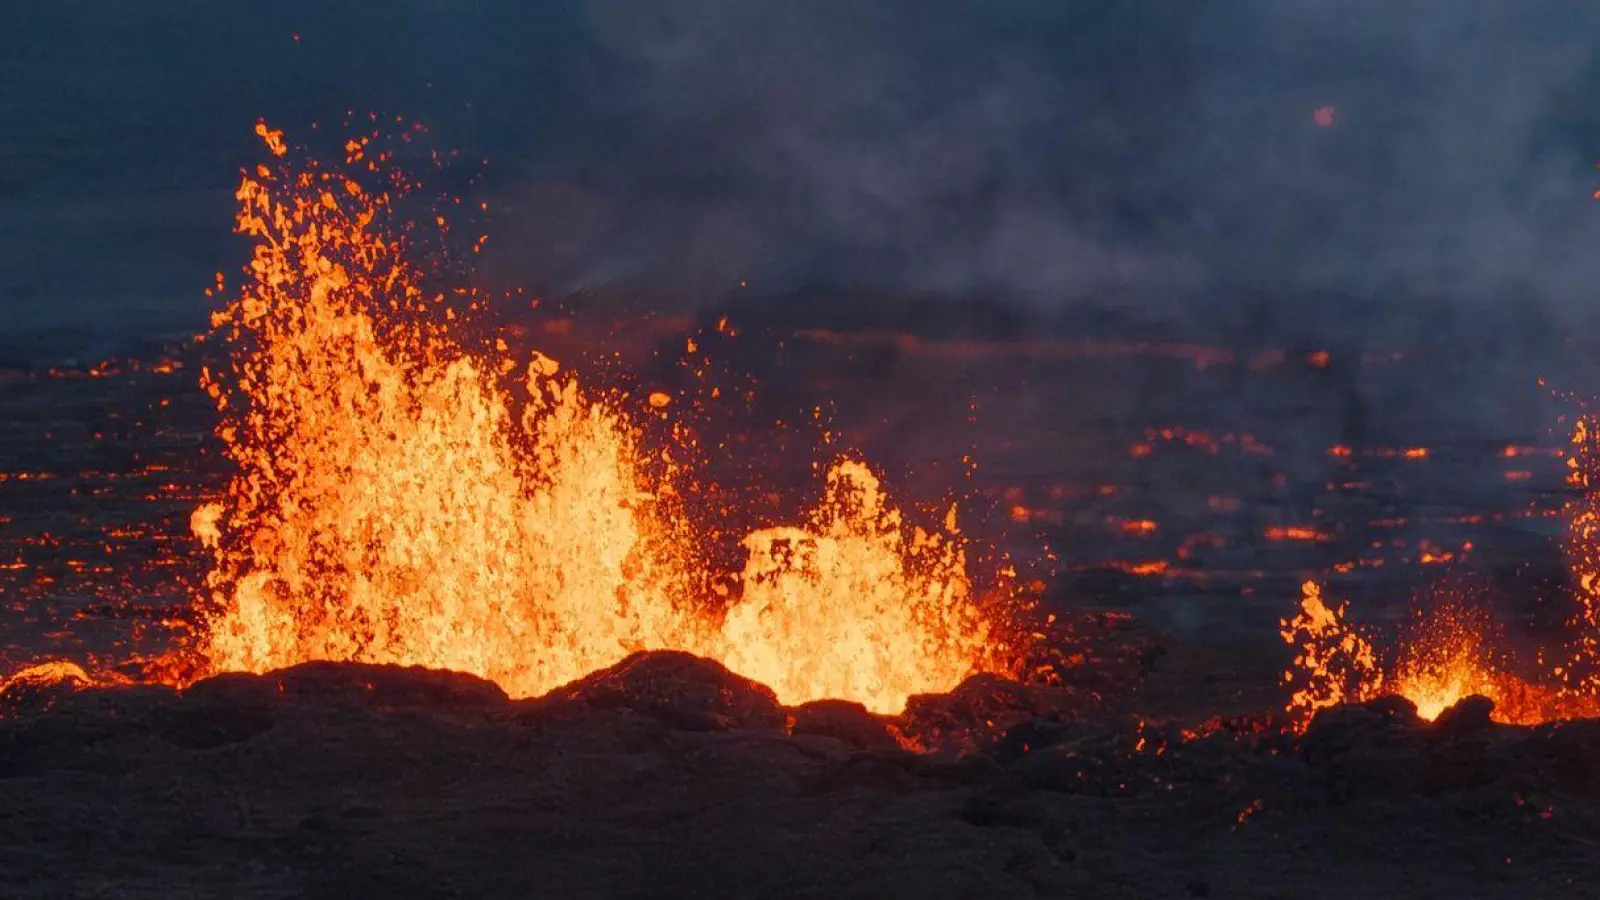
{"type": "Point", "coordinates": [1469, 716]}
{"type": "Point", "coordinates": [680, 689]}
{"type": "Point", "coordinates": [668, 776]}
{"type": "Point", "coordinates": [849, 723]}
{"type": "Point", "coordinates": [982, 709]}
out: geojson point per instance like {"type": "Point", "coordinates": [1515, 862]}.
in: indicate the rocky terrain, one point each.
{"type": "Point", "coordinates": [667, 776]}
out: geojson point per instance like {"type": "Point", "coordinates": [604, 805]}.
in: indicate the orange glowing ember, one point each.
{"type": "Point", "coordinates": [401, 499]}
{"type": "Point", "coordinates": [1292, 533]}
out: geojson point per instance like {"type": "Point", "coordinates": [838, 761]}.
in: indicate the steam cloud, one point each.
{"type": "Point", "coordinates": [1056, 153]}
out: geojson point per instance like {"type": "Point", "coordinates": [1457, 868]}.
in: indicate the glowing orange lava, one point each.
{"type": "Point", "coordinates": [1447, 658]}
{"type": "Point", "coordinates": [1448, 661]}
{"type": "Point", "coordinates": [1333, 664]}
{"type": "Point", "coordinates": [46, 673]}
{"type": "Point", "coordinates": [856, 605]}
{"type": "Point", "coordinates": [399, 499]}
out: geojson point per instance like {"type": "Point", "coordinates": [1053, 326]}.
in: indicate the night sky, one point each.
{"type": "Point", "coordinates": [1170, 156]}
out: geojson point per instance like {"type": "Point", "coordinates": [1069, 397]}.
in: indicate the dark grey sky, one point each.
{"type": "Point", "coordinates": [1054, 153]}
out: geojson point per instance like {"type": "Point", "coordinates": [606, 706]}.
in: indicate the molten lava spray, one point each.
{"type": "Point", "coordinates": [1447, 656]}
{"type": "Point", "coordinates": [1583, 551]}
{"type": "Point", "coordinates": [854, 606]}
{"type": "Point", "coordinates": [1450, 659]}
{"type": "Point", "coordinates": [1450, 655]}
{"type": "Point", "coordinates": [398, 499]}
{"type": "Point", "coordinates": [1333, 662]}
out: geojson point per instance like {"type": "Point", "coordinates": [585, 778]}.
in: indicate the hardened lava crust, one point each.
{"type": "Point", "coordinates": [668, 776]}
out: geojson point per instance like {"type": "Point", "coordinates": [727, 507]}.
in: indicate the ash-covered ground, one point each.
{"type": "Point", "coordinates": [1168, 490]}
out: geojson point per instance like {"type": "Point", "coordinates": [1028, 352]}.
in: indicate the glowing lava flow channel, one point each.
{"type": "Point", "coordinates": [398, 499]}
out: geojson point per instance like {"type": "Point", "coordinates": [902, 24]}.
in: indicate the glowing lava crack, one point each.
{"type": "Point", "coordinates": [398, 499]}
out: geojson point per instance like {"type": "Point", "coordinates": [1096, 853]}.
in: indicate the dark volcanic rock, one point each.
{"type": "Point", "coordinates": [390, 687]}
{"type": "Point", "coordinates": [667, 776]}
{"type": "Point", "coordinates": [379, 687]}
{"type": "Point", "coordinates": [1561, 756]}
{"type": "Point", "coordinates": [844, 721]}
{"type": "Point", "coordinates": [680, 689]}
{"type": "Point", "coordinates": [1469, 716]}
{"type": "Point", "coordinates": [1382, 749]}
{"type": "Point", "coordinates": [232, 708]}
{"type": "Point", "coordinates": [218, 712]}
{"type": "Point", "coordinates": [981, 710]}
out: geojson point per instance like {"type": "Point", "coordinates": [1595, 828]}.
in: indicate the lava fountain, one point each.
{"type": "Point", "coordinates": [1450, 653]}
{"type": "Point", "coordinates": [399, 498]}
{"type": "Point", "coordinates": [1447, 656]}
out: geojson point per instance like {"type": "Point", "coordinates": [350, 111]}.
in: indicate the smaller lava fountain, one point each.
{"type": "Point", "coordinates": [1448, 658]}
{"type": "Point", "coordinates": [1451, 654]}
{"type": "Point", "coordinates": [400, 499]}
